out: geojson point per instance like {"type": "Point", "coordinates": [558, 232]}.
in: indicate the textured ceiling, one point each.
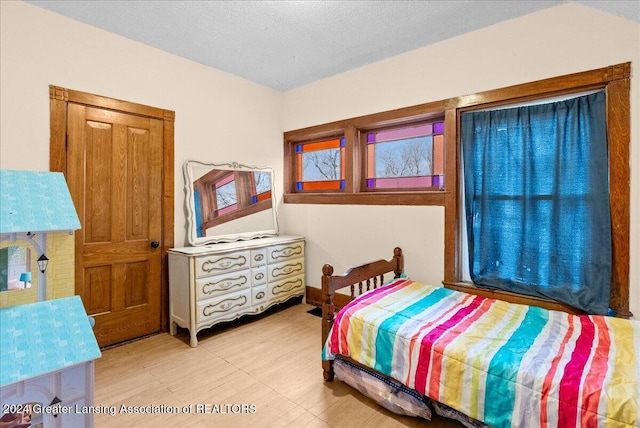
{"type": "Point", "coordinates": [286, 44]}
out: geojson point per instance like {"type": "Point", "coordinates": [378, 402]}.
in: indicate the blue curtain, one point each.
{"type": "Point", "coordinates": [537, 200]}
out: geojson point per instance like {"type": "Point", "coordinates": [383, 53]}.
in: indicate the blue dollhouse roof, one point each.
{"type": "Point", "coordinates": [42, 337]}
{"type": "Point", "coordinates": [35, 201]}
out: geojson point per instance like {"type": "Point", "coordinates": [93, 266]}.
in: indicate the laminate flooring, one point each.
{"type": "Point", "coordinates": [263, 371]}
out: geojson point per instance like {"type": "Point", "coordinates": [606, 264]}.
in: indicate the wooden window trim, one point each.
{"type": "Point", "coordinates": [615, 80]}
{"type": "Point", "coordinates": [351, 130]}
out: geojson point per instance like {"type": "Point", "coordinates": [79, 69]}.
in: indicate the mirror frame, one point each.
{"type": "Point", "coordinates": [192, 233]}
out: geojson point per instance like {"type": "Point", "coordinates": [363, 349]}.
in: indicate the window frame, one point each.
{"type": "Point", "coordinates": [364, 144]}
{"type": "Point", "coordinates": [15, 269]}
{"type": "Point", "coordinates": [342, 168]}
{"type": "Point", "coordinates": [615, 80]}
{"type": "Point", "coordinates": [539, 190]}
{"type": "Point", "coordinates": [354, 131]}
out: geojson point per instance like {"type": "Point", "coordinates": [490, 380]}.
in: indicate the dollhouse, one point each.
{"type": "Point", "coordinates": [47, 347]}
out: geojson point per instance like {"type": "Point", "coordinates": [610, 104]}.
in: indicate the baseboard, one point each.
{"type": "Point", "coordinates": [314, 297]}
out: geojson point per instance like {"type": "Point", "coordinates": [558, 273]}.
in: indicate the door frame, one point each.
{"type": "Point", "coordinates": [59, 98]}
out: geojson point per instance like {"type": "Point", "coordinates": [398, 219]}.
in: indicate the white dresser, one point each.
{"type": "Point", "coordinates": [220, 282]}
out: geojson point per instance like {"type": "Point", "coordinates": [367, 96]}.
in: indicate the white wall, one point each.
{"type": "Point", "coordinates": [219, 117]}
{"type": "Point", "coordinates": [564, 39]}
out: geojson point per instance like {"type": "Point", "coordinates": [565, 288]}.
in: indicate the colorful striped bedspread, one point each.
{"type": "Point", "coordinates": [505, 364]}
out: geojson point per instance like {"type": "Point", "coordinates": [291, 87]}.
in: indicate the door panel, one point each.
{"type": "Point", "coordinates": [97, 226]}
{"type": "Point", "coordinates": [136, 285]}
{"type": "Point", "coordinates": [115, 176]}
{"type": "Point", "coordinates": [96, 289]}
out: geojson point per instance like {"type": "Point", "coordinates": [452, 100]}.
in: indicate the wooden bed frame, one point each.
{"type": "Point", "coordinates": [372, 275]}
{"type": "Point", "coordinates": [367, 277]}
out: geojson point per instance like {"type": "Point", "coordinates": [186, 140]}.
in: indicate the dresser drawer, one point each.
{"type": "Point", "coordinates": [258, 276]}
{"type": "Point", "coordinates": [287, 287]}
{"type": "Point", "coordinates": [222, 306]}
{"type": "Point", "coordinates": [282, 252]}
{"type": "Point", "coordinates": [283, 270]}
{"type": "Point", "coordinates": [258, 257]}
{"type": "Point", "coordinates": [215, 264]}
{"type": "Point", "coordinates": [211, 286]}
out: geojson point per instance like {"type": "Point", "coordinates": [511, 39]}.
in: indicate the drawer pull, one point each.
{"type": "Point", "coordinates": [258, 257]}
{"type": "Point", "coordinates": [258, 276]}
{"type": "Point", "coordinates": [260, 295]}
{"type": "Point", "coordinates": [224, 306]}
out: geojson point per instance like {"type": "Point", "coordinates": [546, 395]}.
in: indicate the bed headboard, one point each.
{"type": "Point", "coordinates": [359, 279]}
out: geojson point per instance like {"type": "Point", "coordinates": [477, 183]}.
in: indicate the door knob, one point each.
{"type": "Point", "coordinates": [155, 244]}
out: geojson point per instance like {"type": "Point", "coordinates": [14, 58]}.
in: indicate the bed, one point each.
{"type": "Point", "coordinates": [478, 359]}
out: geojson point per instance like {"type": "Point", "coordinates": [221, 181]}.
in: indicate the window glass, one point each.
{"type": "Point", "coordinates": [320, 165]}
{"type": "Point", "coordinates": [407, 157]}
{"type": "Point", "coordinates": [15, 268]}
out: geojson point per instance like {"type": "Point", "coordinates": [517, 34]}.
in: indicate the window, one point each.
{"type": "Point", "coordinates": [357, 166]}
{"type": "Point", "coordinates": [391, 158]}
{"type": "Point", "coordinates": [616, 83]}
{"type": "Point", "coordinates": [320, 165]}
{"type": "Point", "coordinates": [409, 157]}
{"type": "Point", "coordinates": [536, 198]}
{"type": "Point", "coordinates": [15, 267]}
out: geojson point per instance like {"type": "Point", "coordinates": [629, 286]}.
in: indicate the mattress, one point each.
{"type": "Point", "coordinates": [501, 363]}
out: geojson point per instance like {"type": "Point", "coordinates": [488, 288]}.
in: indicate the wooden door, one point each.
{"type": "Point", "coordinates": [114, 168]}
{"type": "Point", "coordinates": [114, 175]}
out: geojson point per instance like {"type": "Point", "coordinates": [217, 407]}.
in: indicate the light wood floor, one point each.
{"type": "Point", "coordinates": [271, 363]}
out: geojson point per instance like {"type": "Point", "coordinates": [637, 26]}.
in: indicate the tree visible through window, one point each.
{"type": "Point", "coordinates": [406, 157]}
{"type": "Point", "coordinates": [320, 165]}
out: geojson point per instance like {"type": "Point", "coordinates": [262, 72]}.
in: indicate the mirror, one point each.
{"type": "Point", "coordinates": [228, 202]}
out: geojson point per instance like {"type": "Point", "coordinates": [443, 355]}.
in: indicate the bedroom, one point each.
{"type": "Point", "coordinates": [37, 52]}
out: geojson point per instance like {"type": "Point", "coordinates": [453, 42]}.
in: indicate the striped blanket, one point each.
{"type": "Point", "coordinates": [505, 364]}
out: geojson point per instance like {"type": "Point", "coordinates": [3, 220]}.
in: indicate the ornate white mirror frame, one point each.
{"type": "Point", "coordinates": [228, 202]}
